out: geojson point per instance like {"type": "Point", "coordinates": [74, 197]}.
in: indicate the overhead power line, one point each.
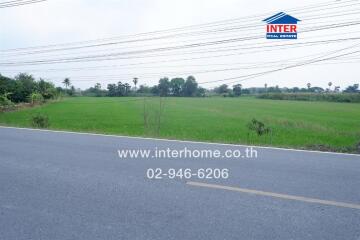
{"type": "Point", "coordinates": [10, 4]}
{"type": "Point", "coordinates": [322, 55]}
{"type": "Point", "coordinates": [119, 55]}
{"type": "Point", "coordinates": [310, 8]}
{"type": "Point", "coordinates": [314, 60]}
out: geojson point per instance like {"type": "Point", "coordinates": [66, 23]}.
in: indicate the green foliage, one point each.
{"type": "Point", "coordinates": [67, 83]}
{"type": "Point", "coordinates": [40, 121]}
{"type": "Point", "coordinates": [95, 91]}
{"type": "Point", "coordinates": [200, 92]}
{"type": "Point", "coordinates": [135, 81]}
{"type": "Point", "coordinates": [237, 90]}
{"type": "Point", "coordinates": [5, 103]}
{"type": "Point", "coordinates": [353, 89]}
{"type": "Point", "coordinates": [144, 89]}
{"type": "Point", "coordinates": [328, 97]}
{"type": "Point", "coordinates": [164, 87]}
{"type": "Point", "coordinates": [36, 98]}
{"type": "Point", "coordinates": [23, 86]}
{"type": "Point", "coordinates": [119, 90]}
{"type": "Point", "coordinates": [190, 87]}
{"type": "Point", "coordinates": [258, 127]}
{"type": "Point", "coordinates": [222, 89]}
{"type": "Point", "coordinates": [47, 89]}
{"type": "Point", "coordinates": [177, 86]}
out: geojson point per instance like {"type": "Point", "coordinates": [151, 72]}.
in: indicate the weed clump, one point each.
{"type": "Point", "coordinates": [40, 121]}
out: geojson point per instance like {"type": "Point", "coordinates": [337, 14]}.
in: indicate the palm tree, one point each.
{"type": "Point", "coordinates": [67, 83]}
{"type": "Point", "coordinates": [135, 81]}
{"type": "Point", "coordinates": [127, 88]}
{"type": "Point", "coordinates": [266, 87]}
{"type": "Point", "coordinates": [309, 85]}
{"type": "Point", "coordinates": [330, 84]}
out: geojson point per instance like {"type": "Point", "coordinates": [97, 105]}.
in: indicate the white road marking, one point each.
{"type": "Point", "coordinates": [179, 141]}
{"type": "Point", "coordinates": [276, 195]}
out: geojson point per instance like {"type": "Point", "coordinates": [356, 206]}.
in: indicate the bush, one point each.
{"type": "Point", "coordinates": [5, 103]}
{"type": "Point", "coordinates": [36, 98]}
{"type": "Point", "coordinates": [40, 121]}
{"type": "Point", "coordinates": [260, 129]}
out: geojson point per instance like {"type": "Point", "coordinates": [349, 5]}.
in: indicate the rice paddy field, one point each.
{"type": "Point", "coordinates": [304, 125]}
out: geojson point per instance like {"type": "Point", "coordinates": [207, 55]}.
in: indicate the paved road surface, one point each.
{"type": "Point", "coordinates": [72, 186]}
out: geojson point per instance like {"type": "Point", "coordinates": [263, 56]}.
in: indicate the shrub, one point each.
{"type": "Point", "coordinates": [36, 98]}
{"type": "Point", "coordinates": [5, 103]}
{"type": "Point", "coordinates": [40, 121]}
{"type": "Point", "coordinates": [258, 127]}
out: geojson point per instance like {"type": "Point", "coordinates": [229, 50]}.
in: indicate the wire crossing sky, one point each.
{"type": "Point", "coordinates": [18, 3]}
{"type": "Point", "coordinates": [216, 41]}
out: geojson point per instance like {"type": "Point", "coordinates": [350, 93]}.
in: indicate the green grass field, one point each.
{"type": "Point", "coordinates": [311, 125]}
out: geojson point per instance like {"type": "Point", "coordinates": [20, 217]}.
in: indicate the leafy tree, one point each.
{"type": "Point", "coordinates": [6, 85]}
{"type": "Point", "coordinates": [120, 90]}
{"type": "Point", "coordinates": [97, 86]}
{"type": "Point", "coordinates": [237, 90]}
{"type": "Point", "coordinates": [222, 89]}
{"type": "Point", "coordinates": [164, 87]}
{"type": "Point", "coordinates": [275, 89]}
{"type": "Point", "coordinates": [177, 86]}
{"type": "Point", "coordinates": [144, 89]}
{"type": "Point", "coordinates": [72, 91]}
{"type": "Point", "coordinates": [201, 92]}
{"type": "Point", "coordinates": [155, 90]}
{"type": "Point", "coordinates": [95, 91]}
{"type": "Point", "coordinates": [352, 89]}
{"type": "Point", "coordinates": [47, 89]}
{"type": "Point", "coordinates": [25, 85]}
{"type": "Point", "coordinates": [317, 89]}
{"type": "Point", "coordinates": [190, 87]}
{"type": "Point", "coordinates": [112, 90]}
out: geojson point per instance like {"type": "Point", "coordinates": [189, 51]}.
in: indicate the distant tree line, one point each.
{"type": "Point", "coordinates": [176, 87]}
{"type": "Point", "coordinates": [25, 88]}
{"type": "Point", "coordinates": [328, 97]}
{"type": "Point", "coordinates": [238, 90]}
{"type": "Point", "coordinates": [180, 87]}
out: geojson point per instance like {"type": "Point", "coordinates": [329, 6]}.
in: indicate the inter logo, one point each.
{"type": "Point", "coordinates": [281, 26]}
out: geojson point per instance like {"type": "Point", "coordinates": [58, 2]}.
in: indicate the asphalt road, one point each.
{"type": "Point", "coordinates": [75, 186]}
